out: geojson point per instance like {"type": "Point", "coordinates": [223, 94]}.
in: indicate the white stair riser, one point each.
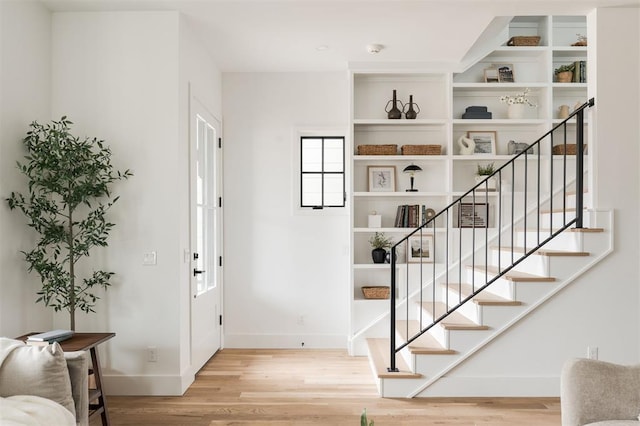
{"type": "Point", "coordinates": [500, 287]}
{"type": "Point", "coordinates": [564, 241]}
{"type": "Point", "coordinates": [469, 309]}
{"type": "Point", "coordinates": [586, 200]}
{"type": "Point", "coordinates": [534, 264]}
{"type": "Point", "coordinates": [437, 331]}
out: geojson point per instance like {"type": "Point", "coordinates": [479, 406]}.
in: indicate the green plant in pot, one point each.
{"type": "Point", "coordinates": [69, 194]}
{"type": "Point", "coordinates": [481, 174]}
{"type": "Point", "coordinates": [564, 73]}
{"type": "Point", "coordinates": [380, 243]}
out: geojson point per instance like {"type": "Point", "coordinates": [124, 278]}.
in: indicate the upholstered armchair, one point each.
{"type": "Point", "coordinates": [599, 393]}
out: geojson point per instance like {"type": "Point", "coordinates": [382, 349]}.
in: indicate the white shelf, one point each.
{"type": "Point", "coordinates": [398, 194]}
{"type": "Point", "coordinates": [399, 157]}
{"type": "Point", "coordinates": [500, 121]}
{"type": "Point", "coordinates": [483, 157]}
{"type": "Point", "coordinates": [400, 122]}
{"type": "Point", "coordinates": [518, 85]}
{"type": "Point", "coordinates": [429, 230]}
{"type": "Point", "coordinates": [383, 266]}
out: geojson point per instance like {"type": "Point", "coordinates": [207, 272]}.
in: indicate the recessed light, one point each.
{"type": "Point", "coordinates": [322, 48]}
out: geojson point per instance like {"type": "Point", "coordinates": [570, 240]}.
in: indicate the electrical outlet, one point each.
{"type": "Point", "coordinates": [152, 354]}
{"type": "Point", "coordinates": [592, 352]}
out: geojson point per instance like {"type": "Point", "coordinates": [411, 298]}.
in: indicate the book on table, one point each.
{"type": "Point", "coordinates": [51, 336]}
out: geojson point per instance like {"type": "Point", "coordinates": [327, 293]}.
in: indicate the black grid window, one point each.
{"type": "Point", "coordinates": [322, 180]}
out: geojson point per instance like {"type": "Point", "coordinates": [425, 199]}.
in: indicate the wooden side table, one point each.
{"type": "Point", "coordinates": [90, 342]}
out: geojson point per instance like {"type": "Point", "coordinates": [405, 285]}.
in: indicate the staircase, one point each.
{"type": "Point", "coordinates": [493, 276]}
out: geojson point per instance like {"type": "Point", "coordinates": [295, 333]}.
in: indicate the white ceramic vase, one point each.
{"type": "Point", "coordinates": [515, 111]}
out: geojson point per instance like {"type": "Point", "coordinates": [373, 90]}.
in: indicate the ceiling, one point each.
{"type": "Point", "coordinates": [321, 35]}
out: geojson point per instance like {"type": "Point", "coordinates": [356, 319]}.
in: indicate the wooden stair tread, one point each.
{"type": "Point", "coordinates": [455, 320]}
{"type": "Point", "coordinates": [423, 345]}
{"type": "Point", "coordinates": [379, 350]}
{"type": "Point", "coordinates": [544, 252]}
{"type": "Point", "coordinates": [485, 298]}
{"type": "Point", "coordinates": [549, 230]}
{"type": "Point", "coordinates": [514, 276]}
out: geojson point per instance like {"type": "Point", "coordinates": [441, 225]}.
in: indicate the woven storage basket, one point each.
{"type": "Point", "coordinates": [421, 149]}
{"type": "Point", "coordinates": [377, 149]}
{"type": "Point", "coordinates": [524, 41]}
{"type": "Point", "coordinates": [571, 149]}
{"type": "Point", "coordinates": [376, 292]}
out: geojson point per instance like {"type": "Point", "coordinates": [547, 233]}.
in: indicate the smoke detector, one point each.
{"type": "Point", "coordinates": [374, 48]}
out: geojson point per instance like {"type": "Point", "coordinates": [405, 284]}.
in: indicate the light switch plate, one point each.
{"type": "Point", "coordinates": [149, 258]}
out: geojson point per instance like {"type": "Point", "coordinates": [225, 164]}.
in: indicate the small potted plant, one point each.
{"type": "Point", "coordinates": [481, 175]}
{"type": "Point", "coordinates": [380, 244]}
{"type": "Point", "coordinates": [564, 73]}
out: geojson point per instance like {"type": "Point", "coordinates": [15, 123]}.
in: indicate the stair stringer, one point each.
{"type": "Point", "coordinates": [392, 387]}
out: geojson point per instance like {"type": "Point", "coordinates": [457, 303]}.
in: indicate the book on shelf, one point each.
{"type": "Point", "coordinates": [410, 216]}
{"type": "Point", "coordinates": [580, 72]}
{"type": "Point", "coordinates": [51, 336]}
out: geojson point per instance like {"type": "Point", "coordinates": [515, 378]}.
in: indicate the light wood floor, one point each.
{"type": "Point", "coordinates": [312, 387]}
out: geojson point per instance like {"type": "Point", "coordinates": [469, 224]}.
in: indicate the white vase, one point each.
{"type": "Point", "coordinates": [515, 111]}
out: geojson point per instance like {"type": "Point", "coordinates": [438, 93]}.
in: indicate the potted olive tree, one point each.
{"type": "Point", "coordinates": [69, 194]}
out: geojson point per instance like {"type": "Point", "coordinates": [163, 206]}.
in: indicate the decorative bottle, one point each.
{"type": "Point", "coordinates": [394, 113]}
{"type": "Point", "coordinates": [411, 113]}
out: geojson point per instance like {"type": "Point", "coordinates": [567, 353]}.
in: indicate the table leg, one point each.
{"type": "Point", "coordinates": [97, 375]}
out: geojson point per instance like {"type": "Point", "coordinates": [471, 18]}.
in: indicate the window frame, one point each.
{"type": "Point", "coordinates": [322, 173]}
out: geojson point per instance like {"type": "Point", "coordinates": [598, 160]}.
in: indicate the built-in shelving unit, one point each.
{"type": "Point", "coordinates": [443, 99]}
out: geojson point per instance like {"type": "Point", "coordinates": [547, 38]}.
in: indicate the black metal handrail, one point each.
{"type": "Point", "coordinates": [479, 220]}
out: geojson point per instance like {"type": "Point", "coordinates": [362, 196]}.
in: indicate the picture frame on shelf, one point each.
{"type": "Point", "coordinates": [505, 73]}
{"type": "Point", "coordinates": [491, 75]}
{"type": "Point", "coordinates": [381, 178]}
{"type": "Point", "coordinates": [485, 141]}
{"type": "Point", "coordinates": [420, 249]}
{"type": "Point", "coordinates": [473, 215]}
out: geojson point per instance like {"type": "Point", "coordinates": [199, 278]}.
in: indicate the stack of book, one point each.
{"type": "Point", "coordinates": [410, 216]}
{"type": "Point", "coordinates": [49, 337]}
{"type": "Point", "coordinates": [580, 72]}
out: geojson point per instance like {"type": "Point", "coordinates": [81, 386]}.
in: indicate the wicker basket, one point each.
{"type": "Point", "coordinates": [421, 149]}
{"type": "Point", "coordinates": [571, 149]}
{"type": "Point", "coordinates": [377, 149]}
{"type": "Point", "coordinates": [376, 292]}
{"type": "Point", "coordinates": [524, 41]}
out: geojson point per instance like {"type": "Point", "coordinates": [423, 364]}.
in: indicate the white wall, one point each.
{"type": "Point", "coordinates": [115, 74]}
{"type": "Point", "coordinates": [25, 92]}
{"type": "Point", "coordinates": [280, 266]}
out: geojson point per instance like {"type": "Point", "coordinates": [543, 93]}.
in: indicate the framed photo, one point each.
{"type": "Point", "coordinates": [505, 73]}
{"type": "Point", "coordinates": [382, 178]}
{"type": "Point", "coordinates": [491, 75]}
{"type": "Point", "coordinates": [485, 141]}
{"type": "Point", "coordinates": [472, 215]}
{"type": "Point", "coordinates": [420, 249]}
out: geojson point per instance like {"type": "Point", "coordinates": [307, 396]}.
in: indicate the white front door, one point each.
{"type": "Point", "coordinates": [206, 235]}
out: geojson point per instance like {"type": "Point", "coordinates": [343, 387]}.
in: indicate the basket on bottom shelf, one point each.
{"type": "Point", "coordinates": [376, 292]}
{"type": "Point", "coordinates": [571, 149]}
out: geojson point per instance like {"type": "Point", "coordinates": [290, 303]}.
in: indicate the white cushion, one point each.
{"type": "Point", "coordinates": [616, 423]}
{"type": "Point", "coordinates": [29, 410]}
{"type": "Point", "coordinates": [35, 370]}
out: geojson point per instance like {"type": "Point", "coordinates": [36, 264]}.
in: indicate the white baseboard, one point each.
{"type": "Point", "coordinates": [285, 341]}
{"type": "Point", "coordinates": [494, 387]}
{"type": "Point", "coordinates": [146, 385]}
